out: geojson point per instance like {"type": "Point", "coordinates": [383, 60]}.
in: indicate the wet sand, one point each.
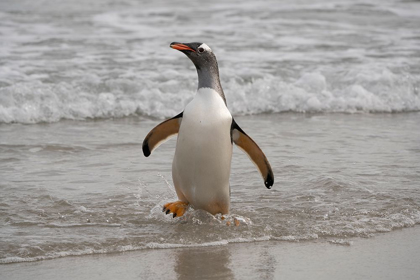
{"type": "Point", "coordinates": [392, 255]}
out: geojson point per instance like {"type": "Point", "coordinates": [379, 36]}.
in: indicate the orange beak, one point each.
{"type": "Point", "coordinates": [181, 47]}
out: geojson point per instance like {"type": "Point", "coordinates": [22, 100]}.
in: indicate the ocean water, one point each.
{"type": "Point", "coordinates": [329, 90]}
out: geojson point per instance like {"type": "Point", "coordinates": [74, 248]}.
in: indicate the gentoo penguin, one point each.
{"type": "Point", "coordinates": [206, 133]}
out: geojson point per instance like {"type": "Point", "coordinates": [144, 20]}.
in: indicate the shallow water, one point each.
{"type": "Point", "coordinates": [81, 84]}
{"type": "Point", "coordinates": [75, 188]}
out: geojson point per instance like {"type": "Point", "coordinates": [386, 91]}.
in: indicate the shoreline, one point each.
{"type": "Point", "coordinates": [391, 255]}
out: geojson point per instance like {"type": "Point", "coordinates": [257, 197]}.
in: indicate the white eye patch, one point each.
{"type": "Point", "coordinates": [204, 46]}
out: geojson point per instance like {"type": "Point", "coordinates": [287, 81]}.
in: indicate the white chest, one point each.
{"type": "Point", "coordinates": [204, 136]}
{"type": "Point", "coordinates": [207, 109]}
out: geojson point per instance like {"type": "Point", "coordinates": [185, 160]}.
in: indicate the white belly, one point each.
{"type": "Point", "coordinates": [201, 166]}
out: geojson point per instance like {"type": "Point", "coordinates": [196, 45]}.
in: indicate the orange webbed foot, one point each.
{"type": "Point", "coordinates": [178, 208]}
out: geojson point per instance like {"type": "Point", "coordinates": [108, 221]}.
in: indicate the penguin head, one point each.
{"type": "Point", "coordinates": [199, 53]}
{"type": "Point", "coordinates": [205, 62]}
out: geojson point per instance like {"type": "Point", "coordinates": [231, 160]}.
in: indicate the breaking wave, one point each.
{"type": "Point", "coordinates": [350, 92]}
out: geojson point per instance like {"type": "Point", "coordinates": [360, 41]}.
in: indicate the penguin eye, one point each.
{"type": "Point", "coordinates": [200, 50]}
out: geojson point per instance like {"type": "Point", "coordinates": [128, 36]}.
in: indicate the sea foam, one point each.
{"type": "Point", "coordinates": [349, 92]}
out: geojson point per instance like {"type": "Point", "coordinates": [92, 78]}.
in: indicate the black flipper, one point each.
{"type": "Point", "coordinates": [161, 133]}
{"type": "Point", "coordinates": [243, 141]}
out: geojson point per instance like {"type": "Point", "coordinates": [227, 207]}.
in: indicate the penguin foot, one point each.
{"type": "Point", "coordinates": [236, 222]}
{"type": "Point", "coordinates": [178, 208]}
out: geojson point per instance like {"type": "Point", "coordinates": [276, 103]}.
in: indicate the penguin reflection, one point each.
{"type": "Point", "coordinates": [201, 263]}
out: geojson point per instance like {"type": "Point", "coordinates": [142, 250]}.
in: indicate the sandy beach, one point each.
{"type": "Point", "coordinates": [386, 256]}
